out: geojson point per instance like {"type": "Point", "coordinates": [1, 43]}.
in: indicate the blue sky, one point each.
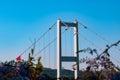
{"type": "Point", "coordinates": [21, 20]}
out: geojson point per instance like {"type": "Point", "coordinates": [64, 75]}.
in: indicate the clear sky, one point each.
{"type": "Point", "coordinates": [22, 20]}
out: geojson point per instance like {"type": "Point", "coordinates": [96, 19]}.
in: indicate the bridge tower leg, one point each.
{"type": "Point", "coordinates": [59, 65]}
{"type": "Point", "coordinates": [76, 50]}
{"type": "Point", "coordinates": [60, 58]}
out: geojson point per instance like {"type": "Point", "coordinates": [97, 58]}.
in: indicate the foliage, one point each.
{"type": "Point", "coordinates": [21, 70]}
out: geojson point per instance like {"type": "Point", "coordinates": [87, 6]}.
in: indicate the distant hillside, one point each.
{"type": "Point", "coordinates": [69, 74]}
{"type": "Point", "coordinates": [65, 73]}
{"type": "Point", "coordinates": [53, 72]}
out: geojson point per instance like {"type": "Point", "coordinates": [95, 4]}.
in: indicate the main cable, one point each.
{"type": "Point", "coordinates": [93, 32]}
{"type": "Point", "coordinates": [38, 39]}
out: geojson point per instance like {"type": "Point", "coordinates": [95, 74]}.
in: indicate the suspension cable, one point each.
{"type": "Point", "coordinates": [93, 32]}
{"type": "Point", "coordinates": [49, 43]}
{"type": "Point", "coordinates": [71, 43]}
{"type": "Point", "coordinates": [44, 55]}
{"type": "Point", "coordinates": [65, 45]}
{"type": "Point", "coordinates": [44, 47]}
{"type": "Point", "coordinates": [38, 39]}
{"type": "Point", "coordinates": [99, 48]}
{"type": "Point", "coordinates": [49, 49]}
{"type": "Point", "coordinates": [100, 37]}
{"type": "Point", "coordinates": [85, 37]}
{"type": "Point", "coordinates": [54, 50]}
{"type": "Point", "coordinates": [92, 43]}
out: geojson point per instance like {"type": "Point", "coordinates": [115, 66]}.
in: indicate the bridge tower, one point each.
{"type": "Point", "coordinates": [61, 58]}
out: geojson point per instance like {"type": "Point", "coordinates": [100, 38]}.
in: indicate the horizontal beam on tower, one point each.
{"type": "Point", "coordinates": [68, 24]}
{"type": "Point", "coordinates": [68, 59]}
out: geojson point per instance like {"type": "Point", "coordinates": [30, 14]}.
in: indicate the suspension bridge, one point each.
{"type": "Point", "coordinates": [61, 43]}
